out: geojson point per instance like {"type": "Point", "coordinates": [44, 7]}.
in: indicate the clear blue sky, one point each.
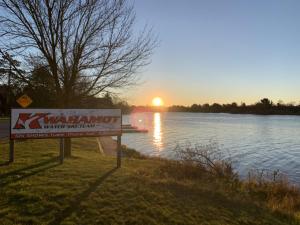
{"type": "Point", "coordinates": [221, 51]}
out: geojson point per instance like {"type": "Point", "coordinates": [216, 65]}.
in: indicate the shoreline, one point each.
{"type": "Point", "coordinates": [109, 147]}
{"type": "Point", "coordinates": [230, 113]}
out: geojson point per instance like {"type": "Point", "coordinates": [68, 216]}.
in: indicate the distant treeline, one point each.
{"type": "Point", "coordinates": [42, 98]}
{"type": "Point", "coordinates": [263, 107]}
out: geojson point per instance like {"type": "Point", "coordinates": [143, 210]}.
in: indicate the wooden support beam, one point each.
{"type": "Point", "coordinates": [119, 153]}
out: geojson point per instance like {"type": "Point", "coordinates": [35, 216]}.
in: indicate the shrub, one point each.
{"type": "Point", "coordinates": [206, 157]}
{"type": "Point", "coordinates": [275, 189]}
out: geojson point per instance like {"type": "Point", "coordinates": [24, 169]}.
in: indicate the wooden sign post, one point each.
{"type": "Point", "coordinates": [11, 144]}
{"type": "Point", "coordinates": [62, 151]}
{"type": "Point", "coordinates": [24, 101]}
{"type": "Point", "coordinates": [119, 151]}
{"type": "Point", "coordinates": [11, 151]}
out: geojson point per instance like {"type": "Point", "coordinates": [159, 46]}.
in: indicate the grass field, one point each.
{"type": "Point", "coordinates": [88, 189]}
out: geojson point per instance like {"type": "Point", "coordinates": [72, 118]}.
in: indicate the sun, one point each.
{"type": "Point", "coordinates": [157, 101]}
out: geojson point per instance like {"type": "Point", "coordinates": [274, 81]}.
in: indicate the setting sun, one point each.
{"type": "Point", "coordinates": [157, 101]}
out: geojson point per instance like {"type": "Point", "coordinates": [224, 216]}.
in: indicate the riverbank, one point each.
{"type": "Point", "coordinates": [88, 189]}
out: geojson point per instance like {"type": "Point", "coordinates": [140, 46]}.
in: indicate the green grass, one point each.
{"type": "Point", "coordinates": [88, 189]}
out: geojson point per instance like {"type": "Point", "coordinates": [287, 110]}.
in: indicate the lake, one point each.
{"type": "Point", "coordinates": [250, 141]}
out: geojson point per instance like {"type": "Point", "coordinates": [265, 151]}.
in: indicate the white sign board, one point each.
{"type": "Point", "coordinates": [56, 123]}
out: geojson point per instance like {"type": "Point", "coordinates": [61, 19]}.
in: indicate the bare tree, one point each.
{"type": "Point", "coordinates": [88, 45]}
{"type": "Point", "coordinates": [90, 40]}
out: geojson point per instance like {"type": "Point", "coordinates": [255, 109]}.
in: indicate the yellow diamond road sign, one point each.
{"type": "Point", "coordinates": [24, 101]}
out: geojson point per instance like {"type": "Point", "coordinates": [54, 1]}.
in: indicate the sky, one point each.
{"type": "Point", "coordinates": [220, 51]}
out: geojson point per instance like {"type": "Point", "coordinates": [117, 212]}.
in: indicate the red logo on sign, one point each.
{"type": "Point", "coordinates": [30, 120]}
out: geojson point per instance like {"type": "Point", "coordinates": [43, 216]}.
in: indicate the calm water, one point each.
{"type": "Point", "coordinates": [251, 141]}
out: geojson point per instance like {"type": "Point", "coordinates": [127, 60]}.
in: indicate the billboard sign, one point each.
{"type": "Point", "coordinates": [57, 123]}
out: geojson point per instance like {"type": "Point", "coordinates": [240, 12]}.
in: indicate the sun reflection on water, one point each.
{"type": "Point", "coordinates": [157, 134]}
